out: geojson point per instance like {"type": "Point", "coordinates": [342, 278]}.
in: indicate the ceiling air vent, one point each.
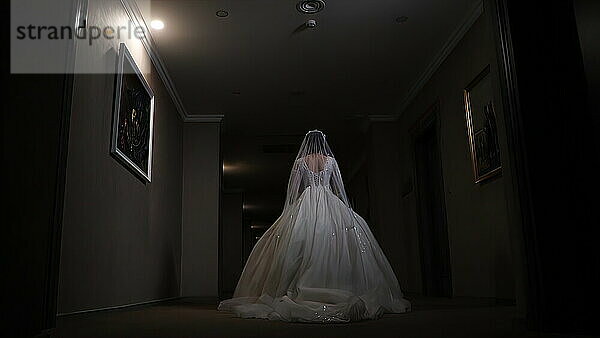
{"type": "Point", "coordinates": [310, 6]}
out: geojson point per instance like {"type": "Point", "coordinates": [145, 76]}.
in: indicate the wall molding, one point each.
{"type": "Point", "coordinates": [204, 300]}
{"type": "Point", "coordinates": [212, 118]}
{"type": "Point", "coordinates": [441, 56]}
{"type": "Point", "coordinates": [135, 15]}
{"type": "Point", "coordinates": [137, 18]}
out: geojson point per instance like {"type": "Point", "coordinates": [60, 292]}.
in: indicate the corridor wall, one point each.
{"type": "Point", "coordinates": [121, 239]}
{"type": "Point", "coordinates": [477, 216]}
{"type": "Point", "coordinates": [200, 228]}
{"type": "Point", "coordinates": [483, 233]}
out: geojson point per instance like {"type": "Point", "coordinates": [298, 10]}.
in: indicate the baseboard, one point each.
{"type": "Point", "coordinates": [208, 300]}
{"type": "Point", "coordinates": [118, 307]}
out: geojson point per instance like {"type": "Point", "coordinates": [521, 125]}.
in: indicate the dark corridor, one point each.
{"type": "Point", "coordinates": [94, 250]}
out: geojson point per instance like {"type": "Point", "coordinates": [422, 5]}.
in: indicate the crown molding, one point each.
{"type": "Point", "coordinates": [444, 52]}
{"type": "Point", "coordinates": [137, 18]}
{"type": "Point", "coordinates": [213, 118]}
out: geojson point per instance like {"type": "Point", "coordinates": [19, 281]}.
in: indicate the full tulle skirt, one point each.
{"type": "Point", "coordinates": [319, 262]}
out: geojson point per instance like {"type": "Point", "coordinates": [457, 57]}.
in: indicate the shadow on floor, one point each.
{"type": "Point", "coordinates": [431, 317]}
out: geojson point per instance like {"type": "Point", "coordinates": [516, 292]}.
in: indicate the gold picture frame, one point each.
{"type": "Point", "coordinates": [482, 130]}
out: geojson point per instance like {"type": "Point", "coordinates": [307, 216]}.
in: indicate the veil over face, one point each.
{"type": "Point", "coordinates": [315, 155]}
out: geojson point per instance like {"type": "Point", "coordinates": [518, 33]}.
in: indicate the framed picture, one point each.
{"type": "Point", "coordinates": [133, 117]}
{"type": "Point", "coordinates": [482, 130]}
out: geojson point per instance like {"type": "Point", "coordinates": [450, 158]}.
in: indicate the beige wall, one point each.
{"type": "Point", "coordinates": [121, 239]}
{"type": "Point", "coordinates": [126, 241]}
{"type": "Point", "coordinates": [479, 216]}
{"type": "Point", "coordinates": [232, 229]}
{"type": "Point", "coordinates": [384, 194]}
{"type": "Point", "coordinates": [201, 190]}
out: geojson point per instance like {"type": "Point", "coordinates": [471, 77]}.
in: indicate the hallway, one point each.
{"type": "Point", "coordinates": [431, 317]}
{"type": "Point", "coordinates": [143, 168]}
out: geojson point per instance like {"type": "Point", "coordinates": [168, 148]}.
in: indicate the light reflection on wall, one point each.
{"type": "Point", "coordinates": [100, 55]}
{"type": "Point", "coordinates": [252, 207]}
{"type": "Point", "coordinates": [230, 168]}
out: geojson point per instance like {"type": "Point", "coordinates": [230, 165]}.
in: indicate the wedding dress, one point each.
{"type": "Point", "coordinates": [319, 262]}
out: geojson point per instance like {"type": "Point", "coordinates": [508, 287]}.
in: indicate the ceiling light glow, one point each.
{"type": "Point", "coordinates": [157, 24]}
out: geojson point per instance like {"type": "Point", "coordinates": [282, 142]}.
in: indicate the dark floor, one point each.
{"type": "Point", "coordinates": [430, 317]}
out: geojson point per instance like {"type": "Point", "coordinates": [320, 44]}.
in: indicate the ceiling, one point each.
{"type": "Point", "coordinates": [273, 79]}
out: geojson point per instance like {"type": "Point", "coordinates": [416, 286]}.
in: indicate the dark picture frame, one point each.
{"type": "Point", "coordinates": [482, 130]}
{"type": "Point", "coordinates": [133, 117]}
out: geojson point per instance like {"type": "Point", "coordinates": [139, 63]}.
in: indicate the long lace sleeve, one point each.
{"type": "Point", "coordinates": [295, 186]}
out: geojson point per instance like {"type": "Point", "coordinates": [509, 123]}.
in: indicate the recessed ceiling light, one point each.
{"type": "Point", "coordinates": [157, 24]}
{"type": "Point", "coordinates": [401, 19]}
{"type": "Point", "coordinates": [310, 6]}
{"type": "Point", "coordinates": [222, 13]}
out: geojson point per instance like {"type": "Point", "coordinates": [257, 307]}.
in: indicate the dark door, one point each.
{"type": "Point", "coordinates": [433, 231]}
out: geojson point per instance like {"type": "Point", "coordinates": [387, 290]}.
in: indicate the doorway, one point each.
{"type": "Point", "coordinates": [433, 229]}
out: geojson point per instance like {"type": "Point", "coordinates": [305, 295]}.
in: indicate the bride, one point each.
{"type": "Point", "coordinates": [319, 262]}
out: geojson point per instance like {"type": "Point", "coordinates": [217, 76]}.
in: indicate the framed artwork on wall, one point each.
{"type": "Point", "coordinates": [482, 130]}
{"type": "Point", "coordinates": [133, 117]}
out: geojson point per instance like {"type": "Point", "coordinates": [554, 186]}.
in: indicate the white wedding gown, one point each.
{"type": "Point", "coordinates": [319, 262]}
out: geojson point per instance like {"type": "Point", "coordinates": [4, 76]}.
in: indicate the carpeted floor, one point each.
{"type": "Point", "coordinates": [430, 317]}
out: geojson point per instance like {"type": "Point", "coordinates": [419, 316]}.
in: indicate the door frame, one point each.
{"type": "Point", "coordinates": [554, 27]}
{"type": "Point", "coordinates": [430, 119]}
{"type": "Point", "coordinates": [50, 298]}
{"type": "Point", "coordinates": [507, 74]}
